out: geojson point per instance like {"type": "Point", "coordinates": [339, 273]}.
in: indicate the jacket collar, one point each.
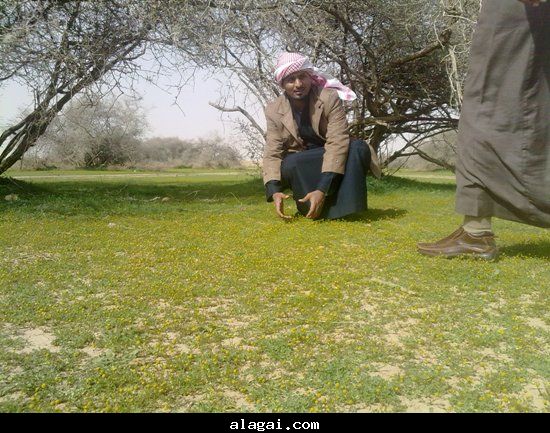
{"type": "Point", "coordinates": [315, 108]}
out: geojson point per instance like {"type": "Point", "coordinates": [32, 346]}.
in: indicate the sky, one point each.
{"type": "Point", "coordinates": [191, 118]}
{"type": "Point", "coordinates": [194, 118]}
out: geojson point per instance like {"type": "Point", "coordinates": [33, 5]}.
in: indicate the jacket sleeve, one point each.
{"type": "Point", "coordinates": [271, 187]}
{"type": "Point", "coordinates": [329, 182]}
{"type": "Point", "coordinates": [273, 150]}
{"type": "Point", "coordinates": [337, 144]}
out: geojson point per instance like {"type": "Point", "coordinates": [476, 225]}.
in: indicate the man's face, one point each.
{"type": "Point", "coordinates": [297, 85]}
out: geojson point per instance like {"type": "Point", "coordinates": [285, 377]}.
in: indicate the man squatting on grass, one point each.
{"type": "Point", "coordinates": [503, 165]}
{"type": "Point", "coordinates": [308, 146]}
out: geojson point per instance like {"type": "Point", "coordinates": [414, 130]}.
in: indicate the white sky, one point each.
{"type": "Point", "coordinates": [194, 118]}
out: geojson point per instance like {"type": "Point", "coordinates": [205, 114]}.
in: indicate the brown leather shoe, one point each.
{"type": "Point", "coordinates": [456, 234]}
{"type": "Point", "coordinates": [461, 243]}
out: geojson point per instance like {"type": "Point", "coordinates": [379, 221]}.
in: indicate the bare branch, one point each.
{"type": "Point", "coordinates": [243, 112]}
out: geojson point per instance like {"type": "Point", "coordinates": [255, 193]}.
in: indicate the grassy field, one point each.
{"type": "Point", "coordinates": [181, 291]}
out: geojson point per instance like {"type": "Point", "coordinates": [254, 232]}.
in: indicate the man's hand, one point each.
{"type": "Point", "coordinates": [316, 199]}
{"type": "Point", "coordinates": [532, 2]}
{"type": "Point", "coordinates": [278, 201]}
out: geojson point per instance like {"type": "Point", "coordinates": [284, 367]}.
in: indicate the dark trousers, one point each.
{"type": "Point", "coordinates": [301, 172]}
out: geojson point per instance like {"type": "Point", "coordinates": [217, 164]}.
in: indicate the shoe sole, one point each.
{"type": "Point", "coordinates": [483, 256]}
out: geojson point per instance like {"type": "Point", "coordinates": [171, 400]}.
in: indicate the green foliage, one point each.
{"type": "Point", "coordinates": [181, 291]}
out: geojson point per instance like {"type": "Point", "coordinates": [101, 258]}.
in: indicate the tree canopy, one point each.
{"type": "Point", "coordinates": [403, 58]}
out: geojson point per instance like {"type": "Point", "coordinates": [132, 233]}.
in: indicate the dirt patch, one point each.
{"type": "Point", "coordinates": [489, 353]}
{"type": "Point", "coordinates": [38, 339]}
{"type": "Point", "coordinates": [393, 285]}
{"type": "Point", "coordinates": [86, 282]}
{"type": "Point", "coordinates": [395, 332]}
{"type": "Point", "coordinates": [495, 308]}
{"type": "Point", "coordinates": [26, 258]}
{"type": "Point", "coordinates": [173, 344]}
{"type": "Point", "coordinates": [232, 323]}
{"type": "Point", "coordinates": [164, 339]}
{"type": "Point", "coordinates": [277, 373]}
{"type": "Point", "coordinates": [424, 357]}
{"type": "Point", "coordinates": [386, 371]}
{"type": "Point", "coordinates": [304, 391]}
{"type": "Point", "coordinates": [483, 369]}
{"type": "Point", "coordinates": [13, 397]}
{"type": "Point", "coordinates": [171, 336]}
{"type": "Point", "coordinates": [394, 340]}
{"type": "Point", "coordinates": [236, 342]}
{"type": "Point", "coordinates": [212, 309]}
{"type": "Point", "coordinates": [341, 335]}
{"type": "Point", "coordinates": [248, 377]}
{"type": "Point", "coordinates": [211, 305]}
{"type": "Point", "coordinates": [245, 374]}
{"type": "Point", "coordinates": [185, 404]}
{"type": "Point", "coordinates": [239, 399]}
{"type": "Point", "coordinates": [268, 363]}
{"type": "Point", "coordinates": [232, 342]}
{"type": "Point", "coordinates": [453, 382]}
{"type": "Point", "coordinates": [93, 352]}
{"type": "Point", "coordinates": [14, 372]}
{"type": "Point", "coordinates": [425, 406]}
{"type": "Point", "coordinates": [536, 393]}
{"type": "Point", "coordinates": [163, 306]}
{"type": "Point", "coordinates": [369, 305]}
{"type": "Point", "coordinates": [537, 323]}
{"type": "Point", "coordinates": [182, 348]}
{"type": "Point", "coordinates": [527, 299]}
{"type": "Point", "coordinates": [373, 408]}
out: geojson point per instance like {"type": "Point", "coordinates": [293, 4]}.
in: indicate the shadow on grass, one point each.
{"type": "Point", "coordinates": [538, 249]}
{"type": "Point", "coordinates": [367, 216]}
{"type": "Point", "coordinates": [142, 196]}
{"type": "Point", "coordinates": [10, 182]}
{"type": "Point", "coordinates": [141, 190]}
{"type": "Point", "coordinates": [107, 197]}
{"type": "Point", "coordinates": [371, 215]}
{"type": "Point", "coordinates": [390, 184]}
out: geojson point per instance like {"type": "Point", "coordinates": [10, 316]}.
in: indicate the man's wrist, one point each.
{"type": "Point", "coordinates": [272, 187]}
{"type": "Point", "coordinates": [321, 191]}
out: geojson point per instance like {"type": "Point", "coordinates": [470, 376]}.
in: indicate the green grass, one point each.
{"type": "Point", "coordinates": [182, 291]}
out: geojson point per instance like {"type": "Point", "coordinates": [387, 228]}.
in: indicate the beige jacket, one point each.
{"type": "Point", "coordinates": [328, 120]}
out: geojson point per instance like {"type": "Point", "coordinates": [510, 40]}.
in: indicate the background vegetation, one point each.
{"type": "Point", "coordinates": [107, 132]}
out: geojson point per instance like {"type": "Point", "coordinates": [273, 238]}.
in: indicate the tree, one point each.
{"type": "Point", "coordinates": [96, 133]}
{"type": "Point", "coordinates": [404, 59]}
{"type": "Point", "coordinates": [61, 48]}
{"type": "Point", "coordinates": [204, 152]}
{"type": "Point", "coordinates": [58, 49]}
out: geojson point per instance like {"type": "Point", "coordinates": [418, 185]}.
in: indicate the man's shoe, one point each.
{"type": "Point", "coordinates": [374, 163]}
{"type": "Point", "coordinates": [462, 243]}
{"type": "Point", "coordinates": [456, 234]}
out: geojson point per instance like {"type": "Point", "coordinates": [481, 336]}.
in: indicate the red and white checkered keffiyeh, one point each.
{"type": "Point", "coordinates": [288, 63]}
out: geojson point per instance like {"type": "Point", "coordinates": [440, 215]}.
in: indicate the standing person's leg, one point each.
{"type": "Point", "coordinates": [477, 225]}
{"type": "Point", "coordinates": [503, 141]}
